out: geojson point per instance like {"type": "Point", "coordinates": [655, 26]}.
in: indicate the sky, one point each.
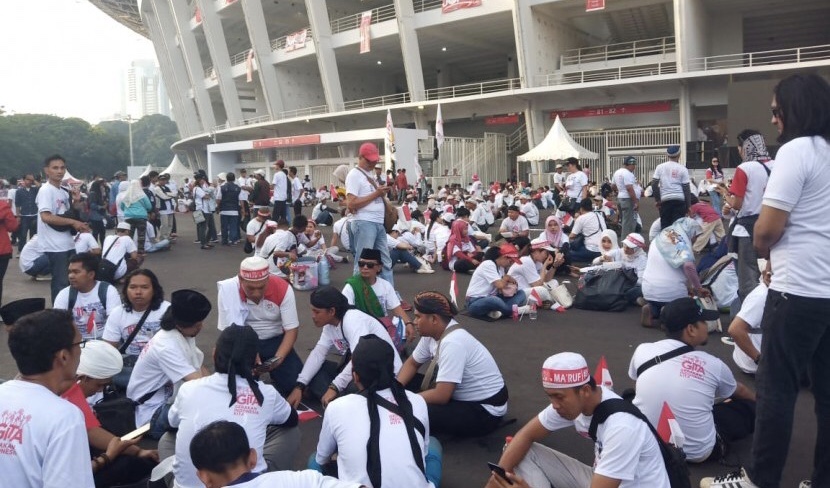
{"type": "Point", "coordinates": [64, 57]}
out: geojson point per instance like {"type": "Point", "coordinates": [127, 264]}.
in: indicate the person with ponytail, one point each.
{"type": "Point", "coordinates": [232, 393]}
{"type": "Point", "coordinates": [381, 435]}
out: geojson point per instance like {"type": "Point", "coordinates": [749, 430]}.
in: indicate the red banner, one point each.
{"type": "Point", "coordinates": [197, 16]}
{"type": "Point", "coordinates": [287, 141]}
{"type": "Point", "coordinates": [296, 40]}
{"type": "Point", "coordinates": [591, 5]}
{"type": "Point", "coordinates": [453, 5]}
{"type": "Point", "coordinates": [502, 119]}
{"type": "Point", "coordinates": [624, 109]}
{"type": "Point", "coordinates": [365, 33]}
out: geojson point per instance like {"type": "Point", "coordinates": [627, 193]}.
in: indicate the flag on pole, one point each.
{"type": "Point", "coordinates": [602, 376]}
{"type": "Point", "coordinates": [90, 323]}
{"type": "Point", "coordinates": [454, 289]}
{"type": "Point", "coordinates": [668, 428]}
{"type": "Point", "coordinates": [389, 142]}
{"type": "Point", "coordinates": [439, 131]}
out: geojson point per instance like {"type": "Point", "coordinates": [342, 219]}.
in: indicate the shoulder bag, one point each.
{"type": "Point", "coordinates": [390, 213]}
{"type": "Point", "coordinates": [106, 268]}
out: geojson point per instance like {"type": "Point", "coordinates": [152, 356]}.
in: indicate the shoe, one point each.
{"type": "Point", "coordinates": [44, 278]}
{"type": "Point", "coordinates": [214, 241]}
{"type": "Point", "coordinates": [495, 314]}
{"type": "Point", "coordinates": [641, 301]}
{"type": "Point", "coordinates": [524, 309]}
{"type": "Point", "coordinates": [207, 247]}
{"type": "Point", "coordinates": [197, 241]}
{"type": "Point", "coordinates": [805, 484]}
{"type": "Point", "coordinates": [736, 479]}
{"type": "Point", "coordinates": [424, 270]}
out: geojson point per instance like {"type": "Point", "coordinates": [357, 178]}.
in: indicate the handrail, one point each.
{"type": "Point", "coordinates": [631, 49]}
{"type": "Point", "coordinates": [471, 89]}
{"type": "Point", "coordinates": [279, 42]}
{"type": "Point", "coordinates": [620, 73]}
{"type": "Point", "coordinates": [302, 112]}
{"type": "Point", "coordinates": [240, 57]}
{"type": "Point", "coordinates": [424, 5]}
{"type": "Point", "coordinates": [379, 14]}
{"type": "Point", "coordinates": [761, 58]}
{"type": "Point", "coordinates": [514, 140]}
{"type": "Point", "coordinates": [375, 101]}
{"type": "Point", "coordinates": [256, 120]}
{"type": "Point", "coordinates": [210, 73]}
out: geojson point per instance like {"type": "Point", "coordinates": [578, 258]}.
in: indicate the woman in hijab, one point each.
{"type": "Point", "coordinates": [136, 206]}
{"type": "Point", "coordinates": [461, 254]}
{"type": "Point", "coordinates": [437, 236]}
{"type": "Point", "coordinates": [607, 245]}
{"type": "Point", "coordinates": [558, 239]}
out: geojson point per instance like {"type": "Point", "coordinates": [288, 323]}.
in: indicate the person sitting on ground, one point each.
{"type": "Point", "coordinates": [590, 225]}
{"type": "Point", "coordinates": [492, 292]}
{"type": "Point", "coordinates": [632, 255]}
{"type": "Point", "coordinates": [607, 246]}
{"type": "Point", "coordinates": [254, 232]}
{"type": "Point", "coordinates": [169, 359]}
{"type": "Point", "coordinates": [627, 454]}
{"type": "Point", "coordinates": [340, 240]}
{"type": "Point", "coordinates": [152, 242]}
{"type": "Point", "coordinates": [690, 381]}
{"type": "Point", "coordinates": [515, 228]}
{"type": "Point", "coordinates": [321, 214]}
{"type": "Point", "coordinates": [467, 397]}
{"type": "Point", "coordinates": [437, 236]}
{"type": "Point", "coordinates": [33, 261]}
{"type": "Point", "coordinates": [342, 327]}
{"type": "Point", "coordinates": [529, 210]}
{"type": "Point", "coordinates": [233, 394]}
{"type": "Point", "coordinates": [85, 242]}
{"type": "Point", "coordinates": [745, 329]}
{"type": "Point", "coordinates": [90, 301]}
{"type": "Point", "coordinates": [320, 249]}
{"type": "Point", "coordinates": [401, 251]}
{"type": "Point", "coordinates": [280, 248]}
{"type": "Point", "coordinates": [558, 239]}
{"type": "Point", "coordinates": [121, 250]}
{"type": "Point", "coordinates": [462, 253]}
{"type": "Point", "coordinates": [380, 435]}
{"type": "Point", "coordinates": [534, 273]}
{"type": "Point", "coordinates": [710, 222]}
{"type": "Point", "coordinates": [222, 456]}
{"type": "Point", "coordinates": [412, 236]}
{"type": "Point", "coordinates": [370, 293]}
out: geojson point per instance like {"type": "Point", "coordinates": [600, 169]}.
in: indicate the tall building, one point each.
{"type": "Point", "coordinates": [251, 80]}
{"type": "Point", "coordinates": [144, 92]}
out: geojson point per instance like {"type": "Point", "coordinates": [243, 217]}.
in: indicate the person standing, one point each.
{"type": "Point", "coordinates": [167, 206]}
{"type": "Point", "coordinates": [280, 186]}
{"type": "Point", "coordinates": [296, 191]}
{"type": "Point", "coordinates": [576, 186]}
{"type": "Point", "coordinates": [671, 188]}
{"type": "Point", "coordinates": [54, 229]}
{"type": "Point", "coordinates": [203, 199]}
{"type": "Point", "coordinates": [627, 201]}
{"type": "Point", "coordinates": [401, 184]}
{"type": "Point", "coordinates": [246, 186]}
{"type": "Point", "coordinates": [365, 199]}
{"type": "Point", "coordinates": [261, 192]}
{"type": "Point", "coordinates": [26, 205]}
{"type": "Point", "coordinates": [8, 224]}
{"type": "Point", "coordinates": [137, 209]}
{"type": "Point", "coordinates": [227, 197]}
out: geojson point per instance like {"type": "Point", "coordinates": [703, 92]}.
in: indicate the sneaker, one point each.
{"type": "Point", "coordinates": [214, 241]}
{"type": "Point", "coordinates": [495, 314]}
{"type": "Point", "coordinates": [197, 241]}
{"type": "Point", "coordinates": [524, 309]}
{"type": "Point", "coordinates": [736, 479]}
{"type": "Point", "coordinates": [424, 270]}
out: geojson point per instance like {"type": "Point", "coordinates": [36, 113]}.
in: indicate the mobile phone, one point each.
{"type": "Point", "coordinates": [500, 472]}
{"type": "Point", "coordinates": [266, 365]}
{"type": "Point", "coordinates": [136, 433]}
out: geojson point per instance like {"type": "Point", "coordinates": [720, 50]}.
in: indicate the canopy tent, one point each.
{"type": "Point", "coordinates": [68, 178]}
{"type": "Point", "coordinates": [558, 144]}
{"type": "Point", "coordinates": [177, 171]}
{"type": "Point", "coordinates": [147, 170]}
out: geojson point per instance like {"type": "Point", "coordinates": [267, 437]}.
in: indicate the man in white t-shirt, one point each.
{"type": "Point", "coordinates": [626, 452]}
{"type": "Point", "coordinates": [576, 185]}
{"type": "Point", "coordinates": [280, 185]}
{"type": "Point", "coordinates": [340, 234]}
{"type": "Point", "coordinates": [281, 246]}
{"type": "Point", "coordinates": [670, 187]}
{"type": "Point", "coordinates": [296, 191]}
{"type": "Point", "coordinates": [365, 199]}
{"type": "Point", "coordinates": [515, 228]}
{"type": "Point", "coordinates": [468, 396]}
{"type": "Point", "coordinates": [52, 201]}
{"type": "Point", "coordinates": [624, 180]}
{"type": "Point", "coordinates": [118, 248]}
{"type": "Point", "coordinates": [342, 327]}
{"type": "Point", "coordinates": [33, 261]}
{"type": "Point", "coordinates": [90, 301]}
{"type": "Point", "coordinates": [746, 331]}
{"type": "Point", "coordinates": [689, 382]}
{"type": "Point", "coordinates": [590, 225]}
{"type": "Point", "coordinates": [254, 230]}
{"type": "Point", "coordinates": [44, 442]}
{"type": "Point", "coordinates": [85, 242]}
{"type": "Point", "coordinates": [387, 298]}
{"type": "Point", "coordinates": [246, 184]}
{"type": "Point", "coordinates": [267, 303]}
{"type": "Point", "coordinates": [529, 209]}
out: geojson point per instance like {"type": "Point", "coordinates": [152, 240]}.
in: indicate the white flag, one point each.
{"type": "Point", "coordinates": [439, 128]}
{"type": "Point", "coordinates": [389, 142]}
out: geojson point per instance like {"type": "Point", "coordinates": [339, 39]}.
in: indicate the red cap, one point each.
{"type": "Point", "coordinates": [509, 251]}
{"type": "Point", "coordinates": [369, 152]}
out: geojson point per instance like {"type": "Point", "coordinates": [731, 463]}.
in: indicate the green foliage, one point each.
{"type": "Point", "coordinates": [89, 150]}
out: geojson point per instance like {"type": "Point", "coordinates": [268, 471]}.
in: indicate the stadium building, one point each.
{"type": "Point", "coordinates": [252, 81]}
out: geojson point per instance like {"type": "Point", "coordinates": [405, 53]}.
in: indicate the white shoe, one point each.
{"type": "Point", "coordinates": [495, 314]}
{"type": "Point", "coordinates": [424, 270]}
{"type": "Point", "coordinates": [735, 479]}
{"type": "Point", "coordinates": [524, 309]}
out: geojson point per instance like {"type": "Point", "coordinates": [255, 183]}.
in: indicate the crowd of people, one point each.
{"type": "Point", "coordinates": [115, 353]}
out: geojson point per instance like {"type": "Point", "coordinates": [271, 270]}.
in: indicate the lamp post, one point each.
{"type": "Point", "coordinates": [130, 131]}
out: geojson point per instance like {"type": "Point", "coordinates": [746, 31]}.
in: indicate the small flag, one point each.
{"type": "Point", "coordinates": [534, 295]}
{"type": "Point", "coordinates": [90, 323]}
{"type": "Point", "coordinates": [567, 219]}
{"type": "Point", "coordinates": [602, 376]}
{"type": "Point", "coordinates": [454, 289]}
{"type": "Point", "coordinates": [669, 429]}
{"type": "Point", "coordinates": [389, 142]}
{"type": "Point", "coordinates": [305, 414]}
{"type": "Point", "coordinates": [407, 213]}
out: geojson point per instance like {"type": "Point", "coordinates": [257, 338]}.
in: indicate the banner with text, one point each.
{"type": "Point", "coordinates": [592, 5]}
{"type": "Point", "coordinates": [287, 141]}
{"type": "Point", "coordinates": [624, 109]}
{"type": "Point", "coordinates": [508, 119]}
{"type": "Point", "coordinates": [365, 25]}
{"type": "Point", "coordinates": [296, 40]}
{"type": "Point", "coordinates": [453, 5]}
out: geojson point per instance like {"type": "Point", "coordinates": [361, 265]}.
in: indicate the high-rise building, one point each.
{"type": "Point", "coordinates": [144, 92]}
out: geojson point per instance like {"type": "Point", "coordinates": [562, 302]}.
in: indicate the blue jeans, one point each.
{"type": "Point", "coordinates": [59, 264]}
{"type": "Point", "coordinates": [40, 266]}
{"type": "Point", "coordinates": [159, 422]}
{"type": "Point", "coordinates": [230, 228]}
{"type": "Point", "coordinates": [633, 294]}
{"type": "Point", "coordinates": [716, 201]}
{"type": "Point", "coordinates": [583, 255]}
{"type": "Point", "coordinates": [404, 256]}
{"type": "Point", "coordinates": [481, 306]}
{"type": "Point", "coordinates": [284, 377]}
{"type": "Point", "coordinates": [363, 234]}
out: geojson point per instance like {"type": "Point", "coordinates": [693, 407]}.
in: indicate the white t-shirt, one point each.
{"type": "Point", "coordinates": [638, 263]}
{"type": "Point", "coordinates": [672, 176]}
{"type": "Point", "coordinates": [121, 323]}
{"type": "Point", "coordinates": [531, 213]}
{"type": "Point", "coordinates": [88, 305]}
{"type": "Point", "coordinates": [466, 363]}
{"type": "Point", "coordinates": [84, 242]}
{"type": "Point", "coordinates": [466, 246]}
{"type": "Point", "coordinates": [481, 283]}
{"type": "Point", "coordinates": [622, 178]}
{"type": "Point", "coordinates": [57, 201]}
{"type": "Point", "coordinates": [295, 479]}
{"type": "Point", "coordinates": [752, 311]}
{"type": "Point", "coordinates": [342, 338]}
{"type": "Point", "coordinates": [280, 241]}
{"type": "Point", "coordinates": [574, 183]}
{"type": "Point", "coordinates": [296, 189]}
{"type": "Point", "coordinates": [799, 185]}
{"type": "Point", "coordinates": [280, 182]}
{"type": "Point", "coordinates": [205, 400]}
{"type": "Point", "coordinates": [275, 313]}
{"type": "Point", "coordinates": [341, 229]}
{"type": "Point", "coordinates": [439, 235]}
{"type": "Point", "coordinates": [163, 363]}
{"type": "Point", "coordinates": [662, 282]}
{"type": "Point", "coordinates": [590, 225]}
{"type": "Point", "coordinates": [346, 431]}
{"type": "Point", "coordinates": [357, 184]}
{"type": "Point", "coordinates": [625, 449]}
{"type": "Point", "coordinates": [689, 383]}
{"type": "Point", "coordinates": [559, 178]}
{"type": "Point", "coordinates": [123, 246]}
{"type": "Point", "coordinates": [525, 273]}
{"type": "Point", "coordinates": [29, 254]}
{"type": "Point", "coordinates": [44, 442]}
{"type": "Point", "coordinates": [243, 182]}
{"type": "Point", "coordinates": [385, 292]}
{"type": "Point", "coordinates": [514, 226]}
{"type": "Point", "coordinates": [255, 228]}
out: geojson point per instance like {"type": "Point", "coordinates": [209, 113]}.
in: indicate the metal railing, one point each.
{"type": "Point", "coordinates": [473, 89]}
{"type": "Point", "coordinates": [424, 5]}
{"type": "Point", "coordinates": [623, 50]}
{"type": "Point", "coordinates": [607, 74]}
{"type": "Point", "coordinates": [279, 42]}
{"type": "Point", "coordinates": [517, 138]}
{"type": "Point", "coordinates": [210, 73]}
{"type": "Point", "coordinates": [257, 120]}
{"type": "Point", "coordinates": [379, 14]}
{"type": "Point", "coordinates": [376, 101]}
{"type": "Point", "coordinates": [240, 57]}
{"type": "Point", "coordinates": [762, 58]}
{"type": "Point", "coordinates": [302, 112]}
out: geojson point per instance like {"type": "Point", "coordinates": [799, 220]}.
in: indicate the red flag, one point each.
{"type": "Point", "coordinates": [602, 376]}
{"type": "Point", "coordinates": [534, 295]}
{"type": "Point", "coordinates": [407, 213]}
{"type": "Point", "coordinates": [454, 289]}
{"type": "Point", "coordinates": [305, 414]}
{"type": "Point", "coordinates": [668, 428]}
{"type": "Point", "coordinates": [566, 220]}
{"type": "Point", "coordinates": [90, 323]}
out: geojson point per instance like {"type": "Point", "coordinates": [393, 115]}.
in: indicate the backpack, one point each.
{"type": "Point", "coordinates": [103, 287]}
{"type": "Point", "coordinates": [673, 458]}
{"type": "Point", "coordinates": [106, 268]}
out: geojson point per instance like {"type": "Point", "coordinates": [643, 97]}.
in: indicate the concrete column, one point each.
{"type": "Point", "coordinates": [535, 122]}
{"type": "Point", "coordinates": [218, 48]}
{"type": "Point", "coordinates": [522, 28]}
{"type": "Point", "coordinates": [410, 49]}
{"type": "Point", "coordinates": [321, 32]}
{"type": "Point", "coordinates": [688, 127]}
{"type": "Point", "coordinates": [690, 31]}
{"type": "Point", "coordinates": [261, 44]}
{"type": "Point", "coordinates": [193, 62]}
{"type": "Point", "coordinates": [172, 69]}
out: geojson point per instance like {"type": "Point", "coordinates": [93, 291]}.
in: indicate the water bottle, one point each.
{"type": "Point", "coordinates": [515, 312]}
{"type": "Point", "coordinates": [323, 267]}
{"type": "Point", "coordinates": [532, 313]}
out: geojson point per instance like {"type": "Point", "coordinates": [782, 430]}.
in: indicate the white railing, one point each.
{"type": "Point", "coordinates": [517, 138]}
{"type": "Point", "coordinates": [210, 73]}
{"type": "Point", "coordinates": [257, 120]}
{"type": "Point", "coordinates": [380, 14]}
{"type": "Point", "coordinates": [375, 101]}
{"type": "Point", "coordinates": [279, 42]}
{"type": "Point", "coordinates": [624, 50]}
{"type": "Point", "coordinates": [240, 58]}
{"type": "Point", "coordinates": [424, 5]}
{"type": "Point", "coordinates": [607, 74]}
{"type": "Point", "coordinates": [762, 58]}
{"type": "Point", "coordinates": [302, 112]}
{"type": "Point", "coordinates": [472, 89]}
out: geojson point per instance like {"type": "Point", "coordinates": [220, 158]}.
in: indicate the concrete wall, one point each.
{"type": "Point", "coordinates": [725, 35]}
{"type": "Point", "coordinates": [301, 86]}
{"type": "Point", "coordinates": [749, 103]}
{"type": "Point", "coordinates": [357, 85]}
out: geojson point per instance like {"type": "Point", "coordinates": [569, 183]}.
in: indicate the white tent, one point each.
{"type": "Point", "coordinates": [147, 170]}
{"type": "Point", "coordinates": [558, 144]}
{"type": "Point", "coordinates": [69, 178]}
{"type": "Point", "coordinates": [177, 171]}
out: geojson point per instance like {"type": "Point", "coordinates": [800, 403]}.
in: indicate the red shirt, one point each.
{"type": "Point", "coordinates": [400, 180]}
{"type": "Point", "coordinates": [705, 211]}
{"type": "Point", "coordinates": [8, 223]}
{"type": "Point", "coordinates": [76, 397]}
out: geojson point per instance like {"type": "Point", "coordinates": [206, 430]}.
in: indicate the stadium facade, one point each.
{"type": "Point", "coordinates": [626, 76]}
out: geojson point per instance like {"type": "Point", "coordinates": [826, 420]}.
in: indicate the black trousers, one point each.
{"type": "Point", "coordinates": [462, 419]}
{"type": "Point", "coordinates": [298, 207]}
{"type": "Point", "coordinates": [671, 211]}
{"type": "Point", "coordinates": [279, 214]}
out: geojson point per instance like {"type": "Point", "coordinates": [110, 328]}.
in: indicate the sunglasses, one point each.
{"type": "Point", "coordinates": [777, 112]}
{"type": "Point", "coordinates": [367, 264]}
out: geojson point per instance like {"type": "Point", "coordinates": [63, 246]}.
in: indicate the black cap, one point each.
{"type": "Point", "coordinates": [189, 306]}
{"type": "Point", "coordinates": [371, 254]}
{"type": "Point", "coordinates": [684, 311]}
{"type": "Point", "coordinates": [12, 311]}
{"type": "Point", "coordinates": [630, 160]}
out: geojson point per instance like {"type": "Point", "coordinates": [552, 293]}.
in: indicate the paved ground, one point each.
{"type": "Point", "coordinates": [519, 348]}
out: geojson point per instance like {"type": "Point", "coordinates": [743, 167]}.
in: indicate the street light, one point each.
{"type": "Point", "coordinates": [130, 130]}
